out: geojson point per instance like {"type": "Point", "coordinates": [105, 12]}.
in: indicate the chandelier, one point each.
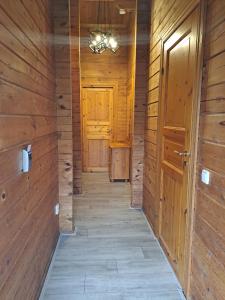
{"type": "Point", "coordinates": [102, 37]}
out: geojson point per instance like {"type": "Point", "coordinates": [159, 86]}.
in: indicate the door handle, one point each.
{"type": "Point", "coordinates": [184, 153]}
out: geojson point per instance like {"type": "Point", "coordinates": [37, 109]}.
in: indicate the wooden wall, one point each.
{"type": "Point", "coordinates": [109, 67]}
{"type": "Point", "coordinates": [208, 253]}
{"type": "Point", "coordinates": [208, 260]}
{"type": "Point", "coordinates": [131, 69]}
{"type": "Point", "coordinates": [28, 226]}
{"type": "Point", "coordinates": [64, 112]}
{"type": "Point", "coordinates": [75, 73]}
{"type": "Point", "coordinates": [140, 100]}
{"type": "Point", "coordinates": [163, 15]}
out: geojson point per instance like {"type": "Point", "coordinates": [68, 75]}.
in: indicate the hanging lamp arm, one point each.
{"type": "Point", "coordinates": [98, 17]}
{"type": "Point", "coordinates": [109, 18]}
{"type": "Point", "coordinates": [104, 16]}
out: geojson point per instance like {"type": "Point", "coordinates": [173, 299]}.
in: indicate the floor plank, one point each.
{"type": "Point", "coordinates": [114, 254]}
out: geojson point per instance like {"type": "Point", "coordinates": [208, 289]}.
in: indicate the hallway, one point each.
{"type": "Point", "coordinates": [114, 255]}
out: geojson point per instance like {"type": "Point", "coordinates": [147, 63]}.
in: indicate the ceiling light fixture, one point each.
{"type": "Point", "coordinates": [102, 37]}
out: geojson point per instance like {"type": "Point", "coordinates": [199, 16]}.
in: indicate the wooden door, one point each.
{"type": "Point", "coordinates": [177, 113]}
{"type": "Point", "coordinates": [97, 128]}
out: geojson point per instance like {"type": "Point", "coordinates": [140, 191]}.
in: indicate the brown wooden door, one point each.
{"type": "Point", "coordinates": [179, 76]}
{"type": "Point", "coordinates": [97, 128]}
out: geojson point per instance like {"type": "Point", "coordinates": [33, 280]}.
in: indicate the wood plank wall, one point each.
{"type": "Point", "coordinates": [64, 112]}
{"type": "Point", "coordinates": [75, 63]}
{"type": "Point", "coordinates": [28, 226]}
{"type": "Point", "coordinates": [140, 100]}
{"type": "Point", "coordinates": [109, 67]}
{"type": "Point", "coordinates": [163, 15]}
{"type": "Point", "coordinates": [131, 69]}
{"type": "Point", "coordinates": [208, 254]}
{"type": "Point", "coordinates": [208, 260]}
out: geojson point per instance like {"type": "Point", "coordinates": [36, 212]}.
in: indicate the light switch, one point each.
{"type": "Point", "coordinates": [26, 158]}
{"type": "Point", "coordinates": [205, 176]}
{"type": "Point", "coordinates": [56, 209]}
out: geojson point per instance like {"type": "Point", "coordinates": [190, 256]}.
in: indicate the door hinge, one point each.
{"type": "Point", "coordinates": [162, 71]}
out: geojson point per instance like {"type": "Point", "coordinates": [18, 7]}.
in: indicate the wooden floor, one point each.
{"type": "Point", "coordinates": [114, 255]}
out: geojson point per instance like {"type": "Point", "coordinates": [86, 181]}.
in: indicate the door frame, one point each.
{"type": "Point", "coordinates": [93, 83]}
{"type": "Point", "coordinates": [191, 190]}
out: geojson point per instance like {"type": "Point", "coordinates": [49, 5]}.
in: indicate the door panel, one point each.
{"type": "Point", "coordinates": [97, 127]}
{"type": "Point", "coordinates": [177, 85]}
{"type": "Point", "coordinates": [171, 210]}
{"type": "Point", "coordinates": [180, 68]}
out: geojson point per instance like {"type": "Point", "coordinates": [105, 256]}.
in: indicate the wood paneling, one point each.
{"type": "Point", "coordinates": [131, 69]}
{"type": "Point", "coordinates": [29, 228]}
{"type": "Point", "coordinates": [90, 10]}
{"type": "Point", "coordinates": [140, 101]}
{"type": "Point", "coordinates": [76, 109]}
{"type": "Point", "coordinates": [208, 260]}
{"type": "Point", "coordinates": [64, 98]}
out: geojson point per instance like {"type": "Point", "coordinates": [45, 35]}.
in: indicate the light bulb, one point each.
{"type": "Point", "coordinates": [122, 11]}
{"type": "Point", "coordinates": [111, 40]}
{"type": "Point", "coordinates": [114, 44]}
{"type": "Point", "coordinates": [98, 37]}
{"type": "Point", "coordinates": [100, 41]}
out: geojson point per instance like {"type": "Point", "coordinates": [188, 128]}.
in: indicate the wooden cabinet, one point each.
{"type": "Point", "coordinates": [119, 158]}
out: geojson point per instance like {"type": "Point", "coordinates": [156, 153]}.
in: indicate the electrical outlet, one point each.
{"type": "Point", "coordinates": [205, 176]}
{"type": "Point", "coordinates": [56, 209]}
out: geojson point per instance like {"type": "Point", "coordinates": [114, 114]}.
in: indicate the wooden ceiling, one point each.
{"type": "Point", "coordinates": [89, 12]}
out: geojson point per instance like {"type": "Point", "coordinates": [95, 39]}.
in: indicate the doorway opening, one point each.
{"type": "Point", "coordinates": [112, 101]}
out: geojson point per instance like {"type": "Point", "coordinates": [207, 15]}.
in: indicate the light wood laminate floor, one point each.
{"type": "Point", "coordinates": [114, 255]}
